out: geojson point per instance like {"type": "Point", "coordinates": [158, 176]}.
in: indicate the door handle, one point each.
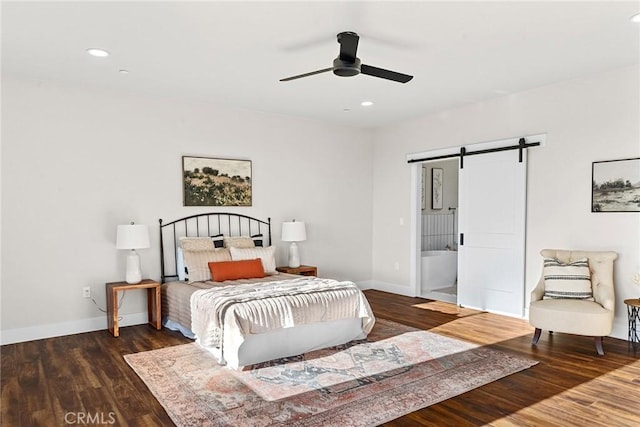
{"type": "Point", "coordinates": [461, 239]}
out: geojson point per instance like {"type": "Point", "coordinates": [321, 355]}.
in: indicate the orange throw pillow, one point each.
{"type": "Point", "coordinates": [232, 270]}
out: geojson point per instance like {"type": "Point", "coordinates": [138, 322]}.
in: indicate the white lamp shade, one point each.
{"type": "Point", "coordinates": [133, 236]}
{"type": "Point", "coordinates": [294, 231]}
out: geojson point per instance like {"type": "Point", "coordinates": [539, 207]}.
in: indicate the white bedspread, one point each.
{"type": "Point", "coordinates": [257, 308]}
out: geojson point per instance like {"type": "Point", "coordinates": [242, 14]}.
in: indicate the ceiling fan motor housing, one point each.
{"type": "Point", "coordinates": [346, 69]}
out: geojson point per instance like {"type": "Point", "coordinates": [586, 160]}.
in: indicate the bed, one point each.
{"type": "Point", "coordinates": [255, 314]}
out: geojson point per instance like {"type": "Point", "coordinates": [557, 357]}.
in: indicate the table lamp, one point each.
{"type": "Point", "coordinates": [294, 232]}
{"type": "Point", "coordinates": [133, 236]}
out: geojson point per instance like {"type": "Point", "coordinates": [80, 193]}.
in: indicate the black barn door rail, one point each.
{"type": "Point", "coordinates": [463, 152]}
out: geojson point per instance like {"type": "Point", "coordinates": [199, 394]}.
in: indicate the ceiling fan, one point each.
{"type": "Point", "coordinates": [347, 64]}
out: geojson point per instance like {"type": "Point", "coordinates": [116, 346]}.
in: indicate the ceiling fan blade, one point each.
{"type": "Point", "coordinates": [348, 46]}
{"type": "Point", "coordinates": [306, 74]}
{"type": "Point", "coordinates": [384, 74]}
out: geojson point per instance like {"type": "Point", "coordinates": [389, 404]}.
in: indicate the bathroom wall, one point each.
{"type": "Point", "coordinates": [440, 226]}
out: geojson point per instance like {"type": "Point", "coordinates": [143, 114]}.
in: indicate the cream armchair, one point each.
{"type": "Point", "coordinates": [571, 316]}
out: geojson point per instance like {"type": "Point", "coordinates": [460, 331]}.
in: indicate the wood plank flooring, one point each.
{"type": "Point", "coordinates": [83, 379]}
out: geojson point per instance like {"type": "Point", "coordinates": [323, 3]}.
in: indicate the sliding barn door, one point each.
{"type": "Point", "coordinates": [492, 211]}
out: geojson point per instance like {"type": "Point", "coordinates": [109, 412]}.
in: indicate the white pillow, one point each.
{"type": "Point", "coordinates": [571, 280]}
{"type": "Point", "coordinates": [196, 243]}
{"type": "Point", "coordinates": [182, 274]}
{"type": "Point", "coordinates": [190, 244]}
{"type": "Point", "coordinates": [238, 242]}
{"type": "Point", "coordinates": [197, 262]}
{"type": "Point", "coordinates": [267, 255]}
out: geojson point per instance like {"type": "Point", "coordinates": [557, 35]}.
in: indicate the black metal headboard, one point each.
{"type": "Point", "coordinates": [202, 225]}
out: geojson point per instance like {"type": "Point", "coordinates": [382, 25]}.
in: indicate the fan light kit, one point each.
{"type": "Point", "coordinates": [100, 53]}
{"type": "Point", "coordinates": [347, 64]}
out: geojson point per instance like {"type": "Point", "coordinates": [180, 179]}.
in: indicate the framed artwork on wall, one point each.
{"type": "Point", "coordinates": [615, 185]}
{"type": "Point", "coordinates": [216, 182]}
{"type": "Point", "coordinates": [436, 188]}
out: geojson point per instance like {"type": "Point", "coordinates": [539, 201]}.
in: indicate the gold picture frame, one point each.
{"type": "Point", "coordinates": [210, 181]}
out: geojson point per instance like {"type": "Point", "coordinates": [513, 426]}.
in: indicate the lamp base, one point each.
{"type": "Point", "coordinates": [294, 256]}
{"type": "Point", "coordinates": [133, 275]}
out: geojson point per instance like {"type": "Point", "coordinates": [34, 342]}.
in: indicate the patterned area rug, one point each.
{"type": "Point", "coordinates": [397, 370]}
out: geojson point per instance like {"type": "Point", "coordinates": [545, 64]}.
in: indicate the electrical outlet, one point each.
{"type": "Point", "coordinates": [396, 265]}
{"type": "Point", "coordinates": [86, 292]}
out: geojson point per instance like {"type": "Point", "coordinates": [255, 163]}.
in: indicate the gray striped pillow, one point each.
{"type": "Point", "coordinates": [571, 280]}
{"type": "Point", "coordinates": [197, 262]}
{"type": "Point", "coordinates": [267, 255]}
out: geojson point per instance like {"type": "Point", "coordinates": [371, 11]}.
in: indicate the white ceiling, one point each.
{"type": "Point", "coordinates": [234, 53]}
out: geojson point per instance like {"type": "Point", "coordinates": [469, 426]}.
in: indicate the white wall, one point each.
{"type": "Point", "coordinates": [77, 162]}
{"type": "Point", "coordinates": [587, 119]}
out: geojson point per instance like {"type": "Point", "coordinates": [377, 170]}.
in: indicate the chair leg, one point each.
{"type": "Point", "coordinates": [599, 348]}
{"type": "Point", "coordinates": [536, 336]}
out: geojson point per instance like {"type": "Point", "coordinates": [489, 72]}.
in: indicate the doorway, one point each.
{"type": "Point", "coordinates": [439, 231]}
{"type": "Point", "coordinates": [490, 214]}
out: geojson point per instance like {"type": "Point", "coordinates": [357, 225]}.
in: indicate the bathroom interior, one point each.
{"type": "Point", "coordinates": [439, 231]}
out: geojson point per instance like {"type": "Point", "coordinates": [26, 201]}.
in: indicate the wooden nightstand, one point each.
{"type": "Point", "coordinates": [153, 302]}
{"type": "Point", "coordinates": [303, 270]}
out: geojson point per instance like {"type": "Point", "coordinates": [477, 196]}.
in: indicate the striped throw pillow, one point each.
{"type": "Point", "coordinates": [197, 262]}
{"type": "Point", "coordinates": [267, 255]}
{"type": "Point", "coordinates": [570, 280]}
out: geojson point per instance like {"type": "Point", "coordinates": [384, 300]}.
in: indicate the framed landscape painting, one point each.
{"type": "Point", "coordinates": [615, 186]}
{"type": "Point", "coordinates": [216, 182]}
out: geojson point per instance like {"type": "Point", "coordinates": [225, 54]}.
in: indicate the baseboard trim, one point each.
{"type": "Point", "coordinates": [31, 333]}
{"type": "Point", "coordinates": [453, 299]}
{"type": "Point", "coordinates": [392, 288]}
{"type": "Point", "coordinates": [365, 284]}
{"type": "Point", "coordinates": [620, 329]}
{"type": "Point", "coordinates": [12, 336]}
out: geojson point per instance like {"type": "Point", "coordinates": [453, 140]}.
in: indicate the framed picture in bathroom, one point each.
{"type": "Point", "coordinates": [436, 188]}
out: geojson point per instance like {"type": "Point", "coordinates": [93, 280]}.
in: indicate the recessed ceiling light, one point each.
{"type": "Point", "coordinates": [123, 71]}
{"type": "Point", "coordinates": [366, 103]}
{"type": "Point", "coordinates": [100, 53]}
{"type": "Point", "coordinates": [636, 17]}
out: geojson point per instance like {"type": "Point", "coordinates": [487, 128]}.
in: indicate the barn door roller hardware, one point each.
{"type": "Point", "coordinates": [521, 146]}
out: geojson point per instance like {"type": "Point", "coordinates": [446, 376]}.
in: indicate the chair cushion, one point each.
{"type": "Point", "coordinates": [571, 316]}
{"type": "Point", "coordinates": [567, 280]}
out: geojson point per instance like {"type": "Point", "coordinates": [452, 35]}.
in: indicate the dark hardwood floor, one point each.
{"type": "Point", "coordinates": [83, 379]}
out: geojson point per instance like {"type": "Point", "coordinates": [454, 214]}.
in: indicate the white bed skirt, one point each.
{"type": "Point", "coordinates": [256, 348]}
